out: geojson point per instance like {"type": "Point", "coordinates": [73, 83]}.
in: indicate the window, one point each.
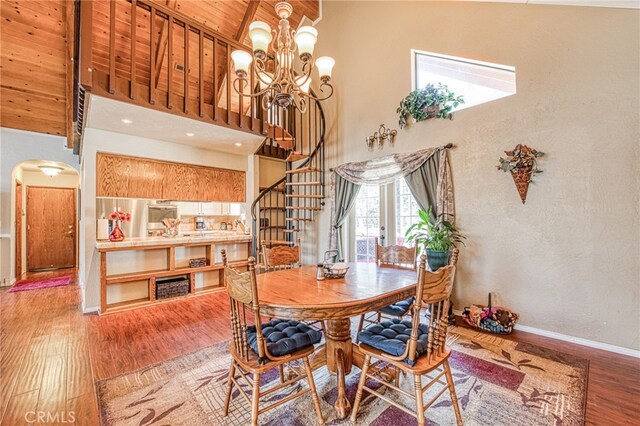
{"type": "Point", "coordinates": [406, 210]}
{"type": "Point", "coordinates": [478, 82]}
{"type": "Point", "coordinates": [384, 212]}
{"type": "Point", "coordinates": [367, 222]}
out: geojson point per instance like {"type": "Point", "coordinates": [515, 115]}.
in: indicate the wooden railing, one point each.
{"type": "Point", "coordinates": [142, 52]}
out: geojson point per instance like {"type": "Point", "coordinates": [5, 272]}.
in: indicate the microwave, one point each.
{"type": "Point", "coordinates": [156, 213]}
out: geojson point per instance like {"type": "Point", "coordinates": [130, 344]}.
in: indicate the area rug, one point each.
{"type": "Point", "coordinates": [498, 382]}
{"type": "Point", "coordinates": [37, 284]}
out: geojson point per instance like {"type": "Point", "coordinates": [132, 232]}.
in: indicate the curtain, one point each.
{"type": "Point", "coordinates": [423, 184]}
{"type": "Point", "coordinates": [431, 186]}
{"type": "Point", "coordinates": [345, 197]}
{"type": "Point", "coordinates": [426, 171]}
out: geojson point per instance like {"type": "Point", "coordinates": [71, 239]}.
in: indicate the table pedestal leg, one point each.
{"type": "Point", "coordinates": [339, 352]}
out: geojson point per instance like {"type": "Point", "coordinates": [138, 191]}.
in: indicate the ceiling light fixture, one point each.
{"type": "Point", "coordinates": [278, 81]}
{"type": "Point", "coordinates": [126, 121]}
{"type": "Point", "coordinates": [190, 134]}
{"type": "Point", "coordinates": [237, 144]}
{"type": "Point", "coordinates": [50, 171]}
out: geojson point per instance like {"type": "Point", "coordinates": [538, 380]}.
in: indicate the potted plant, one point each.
{"type": "Point", "coordinates": [435, 100]}
{"type": "Point", "coordinates": [435, 236]}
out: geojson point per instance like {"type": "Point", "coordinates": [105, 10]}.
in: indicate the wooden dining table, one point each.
{"type": "Point", "coordinates": [297, 294]}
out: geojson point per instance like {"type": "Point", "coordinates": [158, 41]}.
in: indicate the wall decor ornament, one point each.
{"type": "Point", "coordinates": [383, 134]}
{"type": "Point", "coordinates": [522, 163]}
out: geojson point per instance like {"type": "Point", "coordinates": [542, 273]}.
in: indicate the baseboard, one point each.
{"type": "Point", "coordinates": [91, 310]}
{"type": "Point", "coordinates": [571, 339]}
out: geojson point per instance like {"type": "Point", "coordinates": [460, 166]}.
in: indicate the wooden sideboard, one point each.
{"type": "Point", "coordinates": [129, 269]}
{"type": "Point", "coordinates": [132, 177]}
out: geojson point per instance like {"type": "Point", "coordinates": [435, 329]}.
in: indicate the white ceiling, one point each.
{"type": "Point", "coordinates": [33, 166]}
{"type": "Point", "coordinates": [107, 114]}
{"type": "Point", "coordinates": [626, 4]}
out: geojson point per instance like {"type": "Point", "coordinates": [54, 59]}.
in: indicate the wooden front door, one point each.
{"type": "Point", "coordinates": [51, 227]}
{"type": "Point", "coordinates": [18, 230]}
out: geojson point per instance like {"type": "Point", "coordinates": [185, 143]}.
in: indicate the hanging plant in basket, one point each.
{"type": "Point", "coordinates": [435, 100]}
{"type": "Point", "coordinates": [522, 164]}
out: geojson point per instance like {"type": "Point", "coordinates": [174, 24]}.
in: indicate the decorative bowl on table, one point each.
{"type": "Point", "coordinates": [335, 270]}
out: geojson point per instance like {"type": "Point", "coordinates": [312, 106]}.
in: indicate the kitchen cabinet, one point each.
{"type": "Point", "coordinates": [132, 177]}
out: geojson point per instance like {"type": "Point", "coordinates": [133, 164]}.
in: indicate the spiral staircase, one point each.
{"type": "Point", "coordinates": [282, 210]}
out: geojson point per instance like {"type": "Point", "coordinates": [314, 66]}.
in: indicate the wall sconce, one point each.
{"type": "Point", "coordinates": [383, 134]}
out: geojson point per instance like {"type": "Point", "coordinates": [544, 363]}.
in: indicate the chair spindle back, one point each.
{"type": "Point", "coordinates": [396, 255]}
{"type": "Point", "coordinates": [281, 257]}
{"type": "Point", "coordinates": [243, 292]}
{"type": "Point", "coordinates": [433, 291]}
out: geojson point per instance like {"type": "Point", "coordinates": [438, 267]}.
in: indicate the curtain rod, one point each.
{"type": "Point", "coordinates": [447, 146]}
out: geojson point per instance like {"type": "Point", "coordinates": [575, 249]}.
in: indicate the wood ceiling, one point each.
{"type": "Point", "coordinates": [35, 48]}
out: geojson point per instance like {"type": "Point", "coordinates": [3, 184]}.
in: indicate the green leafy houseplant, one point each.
{"type": "Point", "coordinates": [433, 101]}
{"type": "Point", "coordinates": [435, 236]}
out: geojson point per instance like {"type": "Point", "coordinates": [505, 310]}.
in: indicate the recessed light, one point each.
{"type": "Point", "coordinates": [237, 144]}
{"type": "Point", "coordinates": [126, 121]}
{"type": "Point", "coordinates": [190, 134]}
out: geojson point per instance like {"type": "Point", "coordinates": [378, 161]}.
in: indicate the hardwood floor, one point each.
{"type": "Point", "coordinates": [52, 353]}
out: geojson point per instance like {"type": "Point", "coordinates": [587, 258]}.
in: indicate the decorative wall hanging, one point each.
{"type": "Point", "coordinates": [383, 134]}
{"type": "Point", "coordinates": [435, 100]}
{"type": "Point", "coordinates": [522, 163]}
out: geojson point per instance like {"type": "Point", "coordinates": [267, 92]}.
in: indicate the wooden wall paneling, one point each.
{"type": "Point", "coordinates": [33, 59]}
{"type": "Point", "coordinates": [70, 66]}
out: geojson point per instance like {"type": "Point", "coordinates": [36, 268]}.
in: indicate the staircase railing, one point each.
{"type": "Point", "coordinates": [142, 52]}
{"type": "Point", "coordinates": [283, 208]}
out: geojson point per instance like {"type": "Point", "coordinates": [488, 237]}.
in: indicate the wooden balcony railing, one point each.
{"type": "Point", "coordinates": [142, 52]}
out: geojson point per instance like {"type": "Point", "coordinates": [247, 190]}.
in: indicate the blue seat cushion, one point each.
{"type": "Point", "coordinates": [283, 337]}
{"type": "Point", "coordinates": [391, 336]}
{"type": "Point", "coordinates": [398, 309]}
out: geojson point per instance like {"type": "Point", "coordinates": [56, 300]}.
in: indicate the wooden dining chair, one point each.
{"type": "Point", "coordinates": [258, 349]}
{"type": "Point", "coordinates": [424, 351]}
{"type": "Point", "coordinates": [281, 257]}
{"type": "Point", "coordinates": [398, 257]}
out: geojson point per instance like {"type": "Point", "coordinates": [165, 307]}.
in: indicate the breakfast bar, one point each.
{"type": "Point", "coordinates": [143, 271]}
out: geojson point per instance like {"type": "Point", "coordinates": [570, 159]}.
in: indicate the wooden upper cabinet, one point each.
{"type": "Point", "coordinates": [132, 177]}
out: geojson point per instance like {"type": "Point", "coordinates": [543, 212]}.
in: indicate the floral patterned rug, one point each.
{"type": "Point", "coordinates": [498, 382]}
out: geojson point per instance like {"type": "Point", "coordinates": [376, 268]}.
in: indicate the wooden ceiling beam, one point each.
{"type": "Point", "coordinates": [250, 13]}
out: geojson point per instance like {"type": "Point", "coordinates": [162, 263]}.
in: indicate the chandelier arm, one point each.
{"type": "Point", "coordinates": [236, 86]}
{"type": "Point", "coordinates": [315, 98]}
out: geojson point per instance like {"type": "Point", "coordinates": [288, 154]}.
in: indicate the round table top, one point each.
{"type": "Point", "coordinates": [296, 294]}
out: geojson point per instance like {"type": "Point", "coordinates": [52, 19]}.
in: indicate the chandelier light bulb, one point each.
{"type": "Point", "coordinates": [325, 65]}
{"type": "Point", "coordinates": [241, 62]}
{"type": "Point", "coordinates": [305, 39]}
{"type": "Point", "coordinates": [260, 34]}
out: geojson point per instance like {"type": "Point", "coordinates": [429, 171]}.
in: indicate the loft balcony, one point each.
{"type": "Point", "coordinates": [150, 55]}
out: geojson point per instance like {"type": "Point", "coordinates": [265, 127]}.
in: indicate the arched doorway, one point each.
{"type": "Point", "coordinates": [45, 209]}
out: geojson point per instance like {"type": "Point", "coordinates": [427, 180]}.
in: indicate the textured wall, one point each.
{"type": "Point", "coordinates": [568, 260]}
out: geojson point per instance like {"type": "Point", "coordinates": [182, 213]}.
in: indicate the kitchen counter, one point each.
{"type": "Point", "coordinates": [194, 237]}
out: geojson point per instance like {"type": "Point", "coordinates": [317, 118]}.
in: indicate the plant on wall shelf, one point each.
{"type": "Point", "coordinates": [522, 164]}
{"type": "Point", "coordinates": [435, 100]}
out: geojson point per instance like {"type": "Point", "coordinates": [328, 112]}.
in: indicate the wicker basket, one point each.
{"type": "Point", "coordinates": [172, 287]}
{"type": "Point", "coordinates": [495, 319]}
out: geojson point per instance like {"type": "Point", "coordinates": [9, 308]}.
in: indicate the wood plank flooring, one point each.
{"type": "Point", "coordinates": [52, 353]}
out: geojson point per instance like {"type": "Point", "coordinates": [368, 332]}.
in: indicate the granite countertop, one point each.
{"type": "Point", "coordinates": [194, 237]}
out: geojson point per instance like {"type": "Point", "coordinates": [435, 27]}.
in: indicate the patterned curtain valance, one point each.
{"type": "Point", "coordinates": [384, 170]}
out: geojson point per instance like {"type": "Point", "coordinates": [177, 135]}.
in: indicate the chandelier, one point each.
{"type": "Point", "coordinates": [279, 82]}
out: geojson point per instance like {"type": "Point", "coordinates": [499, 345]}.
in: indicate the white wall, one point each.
{"type": "Point", "coordinates": [569, 259]}
{"type": "Point", "coordinates": [17, 146]}
{"type": "Point", "coordinates": [94, 141]}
